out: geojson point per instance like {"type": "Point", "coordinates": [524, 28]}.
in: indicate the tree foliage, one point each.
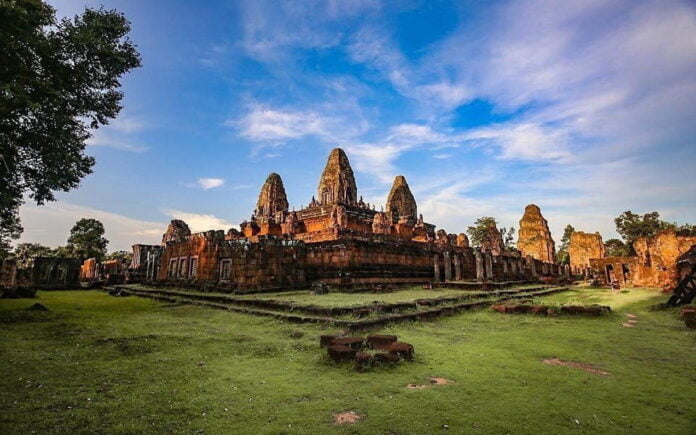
{"type": "Point", "coordinates": [562, 255]}
{"type": "Point", "coordinates": [87, 239]}
{"type": "Point", "coordinates": [120, 255]}
{"type": "Point", "coordinates": [508, 236]}
{"type": "Point", "coordinates": [616, 248]}
{"type": "Point", "coordinates": [58, 81]}
{"type": "Point", "coordinates": [25, 252]}
{"type": "Point", "coordinates": [479, 231]}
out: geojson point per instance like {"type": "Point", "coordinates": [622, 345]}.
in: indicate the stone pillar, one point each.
{"type": "Point", "coordinates": [448, 266]}
{"type": "Point", "coordinates": [436, 268]}
{"type": "Point", "coordinates": [479, 265]}
{"type": "Point", "coordinates": [457, 267]}
{"type": "Point", "coordinates": [489, 265]}
{"type": "Point", "coordinates": [505, 266]}
{"type": "Point", "coordinates": [567, 271]}
{"type": "Point", "coordinates": [532, 265]}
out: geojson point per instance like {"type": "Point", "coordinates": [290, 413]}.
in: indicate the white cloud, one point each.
{"type": "Point", "coordinates": [50, 225]}
{"type": "Point", "coordinates": [210, 183]}
{"type": "Point", "coordinates": [264, 124]}
{"type": "Point", "coordinates": [525, 141]}
{"type": "Point", "coordinates": [201, 222]}
{"type": "Point", "coordinates": [121, 133]}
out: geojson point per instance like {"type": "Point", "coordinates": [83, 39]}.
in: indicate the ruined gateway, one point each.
{"type": "Point", "coordinates": [338, 240]}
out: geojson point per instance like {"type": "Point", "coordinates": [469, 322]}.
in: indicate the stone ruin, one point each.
{"type": "Point", "coordinates": [337, 239]}
{"type": "Point", "coordinates": [534, 236]}
{"type": "Point", "coordinates": [583, 247]}
{"type": "Point", "coordinates": [376, 349]}
{"type": "Point", "coordinates": [655, 265]}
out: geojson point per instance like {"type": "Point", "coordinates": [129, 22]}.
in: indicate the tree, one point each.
{"type": "Point", "coordinates": [632, 226]}
{"type": "Point", "coordinates": [25, 252]}
{"type": "Point", "coordinates": [479, 231]}
{"type": "Point", "coordinates": [67, 251]}
{"type": "Point", "coordinates": [616, 248]}
{"type": "Point", "coordinates": [563, 256]}
{"type": "Point", "coordinates": [508, 236]}
{"type": "Point", "coordinates": [685, 230]}
{"type": "Point", "coordinates": [120, 255]}
{"type": "Point", "coordinates": [58, 81]}
{"type": "Point", "coordinates": [87, 239]}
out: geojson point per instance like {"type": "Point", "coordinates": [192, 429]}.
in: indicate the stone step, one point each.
{"type": "Point", "coordinates": [229, 305]}
{"type": "Point", "coordinates": [287, 306]}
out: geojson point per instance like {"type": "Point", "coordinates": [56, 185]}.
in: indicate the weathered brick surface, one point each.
{"type": "Point", "coordinates": [534, 236]}
{"type": "Point", "coordinates": [582, 248]}
{"type": "Point", "coordinates": [8, 274]}
{"type": "Point", "coordinates": [654, 266]}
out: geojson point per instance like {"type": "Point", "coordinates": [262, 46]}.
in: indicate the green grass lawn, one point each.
{"type": "Point", "coordinates": [97, 363]}
{"type": "Point", "coordinates": [305, 297]}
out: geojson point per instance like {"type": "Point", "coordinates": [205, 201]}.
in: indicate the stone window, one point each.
{"type": "Point", "coordinates": [193, 267]}
{"type": "Point", "coordinates": [182, 267]}
{"type": "Point", "coordinates": [172, 268]}
{"type": "Point", "coordinates": [225, 269]}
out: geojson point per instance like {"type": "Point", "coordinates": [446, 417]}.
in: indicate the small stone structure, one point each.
{"type": "Point", "coordinates": [534, 236]}
{"type": "Point", "coordinates": [53, 273]}
{"type": "Point", "coordinates": [8, 274]}
{"type": "Point", "coordinates": [583, 247]}
{"type": "Point", "coordinates": [655, 265]}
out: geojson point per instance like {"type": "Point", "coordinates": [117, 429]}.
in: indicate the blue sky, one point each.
{"type": "Point", "coordinates": [585, 108]}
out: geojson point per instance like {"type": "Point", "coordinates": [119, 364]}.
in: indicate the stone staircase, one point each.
{"type": "Point", "coordinates": [345, 317]}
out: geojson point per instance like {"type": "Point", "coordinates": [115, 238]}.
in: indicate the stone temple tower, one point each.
{"type": "Point", "coordinates": [337, 183]}
{"type": "Point", "coordinates": [272, 198]}
{"type": "Point", "coordinates": [535, 237]}
{"type": "Point", "coordinates": [400, 202]}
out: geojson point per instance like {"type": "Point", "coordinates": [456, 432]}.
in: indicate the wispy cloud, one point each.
{"type": "Point", "coordinates": [121, 133]}
{"type": "Point", "coordinates": [210, 183]}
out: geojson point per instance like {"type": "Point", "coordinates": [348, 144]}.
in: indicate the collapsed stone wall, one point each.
{"type": "Point", "coordinates": [582, 248]}
{"type": "Point", "coordinates": [655, 265]}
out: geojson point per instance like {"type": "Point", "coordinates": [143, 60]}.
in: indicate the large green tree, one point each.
{"type": "Point", "coordinates": [479, 231]}
{"type": "Point", "coordinates": [632, 226]}
{"type": "Point", "coordinates": [616, 248]}
{"type": "Point", "coordinates": [58, 81]}
{"type": "Point", "coordinates": [562, 255]}
{"type": "Point", "coordinates": [87, 239]}
{"type": "Point", "coordinates": [25, 252]}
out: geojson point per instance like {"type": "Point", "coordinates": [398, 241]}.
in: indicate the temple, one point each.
{"type": "Point", "coordinates": [337, 239]}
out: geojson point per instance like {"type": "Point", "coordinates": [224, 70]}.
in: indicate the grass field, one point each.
{"type": "Point", "coordinates": [97, 363]}
{"type": "Point", "coordinates": [306, 297]}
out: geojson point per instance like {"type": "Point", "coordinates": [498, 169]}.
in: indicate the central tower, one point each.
{"type": "Point", "coordinates": [337, 183]}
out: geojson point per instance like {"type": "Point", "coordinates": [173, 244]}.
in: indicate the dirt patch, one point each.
{"type": "Point", "coordinates": [633, 321]}
{"type": "Point", "coordinates": [434, 381]}
{"type": "Point", "coordinates": [628, 325]}
{"type": "Point", "coordinates": [578, 365]}
{"type": "Point", "coordinates": [631, 316]}
{"type": "Point", "coordinates": [347, 417]}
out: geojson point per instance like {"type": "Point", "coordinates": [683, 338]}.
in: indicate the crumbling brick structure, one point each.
{"type": "Point", "coordinates": [337, 239]}
{"type": "Point", "coordinates": [655, 265]}
{"type": "Point", "coordinates": [534, 236]}
{"type": "Point", "coordinates": [8, 274]}
{"type": "Point", "coordinates": [583, 247]}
